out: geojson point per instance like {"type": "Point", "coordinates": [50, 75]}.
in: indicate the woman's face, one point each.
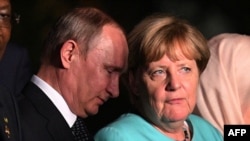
{"type": "Point", "coordinates": [170, 87]}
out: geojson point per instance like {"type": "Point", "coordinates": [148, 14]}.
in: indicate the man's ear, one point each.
{"type": "Point", "coordinates": [68, 52]}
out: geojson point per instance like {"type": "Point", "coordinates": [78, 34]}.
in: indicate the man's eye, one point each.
{"type": "Point", "coordinates": [4, 16]}
{"type": "Point", "coordinates": [110, 70]}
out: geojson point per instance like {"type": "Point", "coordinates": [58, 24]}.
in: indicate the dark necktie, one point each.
{"type": "Point", "coordinates": [80, 131]}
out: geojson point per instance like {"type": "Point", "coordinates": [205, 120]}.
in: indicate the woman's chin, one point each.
{"type": "Point", "coordinates": [177, 116]}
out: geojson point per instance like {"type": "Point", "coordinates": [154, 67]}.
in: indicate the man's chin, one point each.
{"type": "Point", "coordinates": [93, 112]}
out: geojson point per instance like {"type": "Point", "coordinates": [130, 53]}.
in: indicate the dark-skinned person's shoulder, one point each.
{"type": "Point", "coordinates": [15, 68]}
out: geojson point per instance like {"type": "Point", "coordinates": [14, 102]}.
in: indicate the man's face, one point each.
{"type": "Point", "coordinates": [5, 24]}
{"type": "Point", "coordinates": [96, 75]}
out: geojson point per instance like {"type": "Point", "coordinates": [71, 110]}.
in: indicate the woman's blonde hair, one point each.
{"type": "Point", "coordinates": [157, 35]}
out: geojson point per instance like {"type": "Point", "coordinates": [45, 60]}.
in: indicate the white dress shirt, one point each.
{"type": "Point", "coordinates": [56, 98]}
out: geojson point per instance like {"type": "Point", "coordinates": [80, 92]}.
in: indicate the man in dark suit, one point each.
{"type": "Point", "coordinates": [83, 57]}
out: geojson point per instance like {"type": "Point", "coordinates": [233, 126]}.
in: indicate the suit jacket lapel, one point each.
{"type": "Point", "coordinates": [56, 124]}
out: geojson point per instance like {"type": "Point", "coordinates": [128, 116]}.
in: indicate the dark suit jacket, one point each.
{"type": "Point", "coordinates": [9, 124]}
{"type": "Point", "coordinates": [40, 119]}
{"type": "Point", "coordinates": [15, 68]}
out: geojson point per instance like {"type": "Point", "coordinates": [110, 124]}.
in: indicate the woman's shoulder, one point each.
{"type": "Point", "coordinates": [202, 129]}
{"type": "Point", "coordinates": [195, 119]}
{"type": "Point", "coordinates": [126, 121]}
{"type": "Point", "coordinates": [128, 127]}
{"type": "Point", "coordinates": [123, 128]}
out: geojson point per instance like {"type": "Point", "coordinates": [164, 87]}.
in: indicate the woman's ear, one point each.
{"type": "Point", "coordinates": [68, 52]}
{"type": "Point", "coordinates": [133, 83]}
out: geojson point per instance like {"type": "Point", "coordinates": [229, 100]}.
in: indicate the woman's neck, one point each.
{"type": "Point", "coordinates": [181, 133]}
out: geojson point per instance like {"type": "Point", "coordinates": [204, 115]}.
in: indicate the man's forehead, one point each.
{"type": "Point", "coordinates": [5, 4]}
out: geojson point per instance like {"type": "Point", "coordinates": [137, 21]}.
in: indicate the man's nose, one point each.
{"type": "Point", "coordinates": [113, 87]}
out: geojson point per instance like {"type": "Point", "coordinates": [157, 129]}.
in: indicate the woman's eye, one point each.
{"type": "Point", "coordinates": [186, 69]}
{"type": "Point", "coordinates": [158, 72]}
{"type": "Point", "coordinates": [158, 75]}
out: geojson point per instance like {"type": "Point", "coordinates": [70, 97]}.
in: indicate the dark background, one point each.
{"type": "Point", "coordinates": [212, 17]}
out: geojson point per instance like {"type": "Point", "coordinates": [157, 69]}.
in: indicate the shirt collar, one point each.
{"type": "Point", "coordinates": [56, 98]}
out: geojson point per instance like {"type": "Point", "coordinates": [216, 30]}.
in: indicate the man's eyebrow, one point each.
{"type": "Point", "coordinates": [4, 7]}
{"type": "Point", "coordinates": [116, 68]}
{"type": "Point", "coordinates": [121, 70]}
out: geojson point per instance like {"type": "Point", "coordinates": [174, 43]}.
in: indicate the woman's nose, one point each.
{"type": "Point", "coordinates": [173, 82]}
